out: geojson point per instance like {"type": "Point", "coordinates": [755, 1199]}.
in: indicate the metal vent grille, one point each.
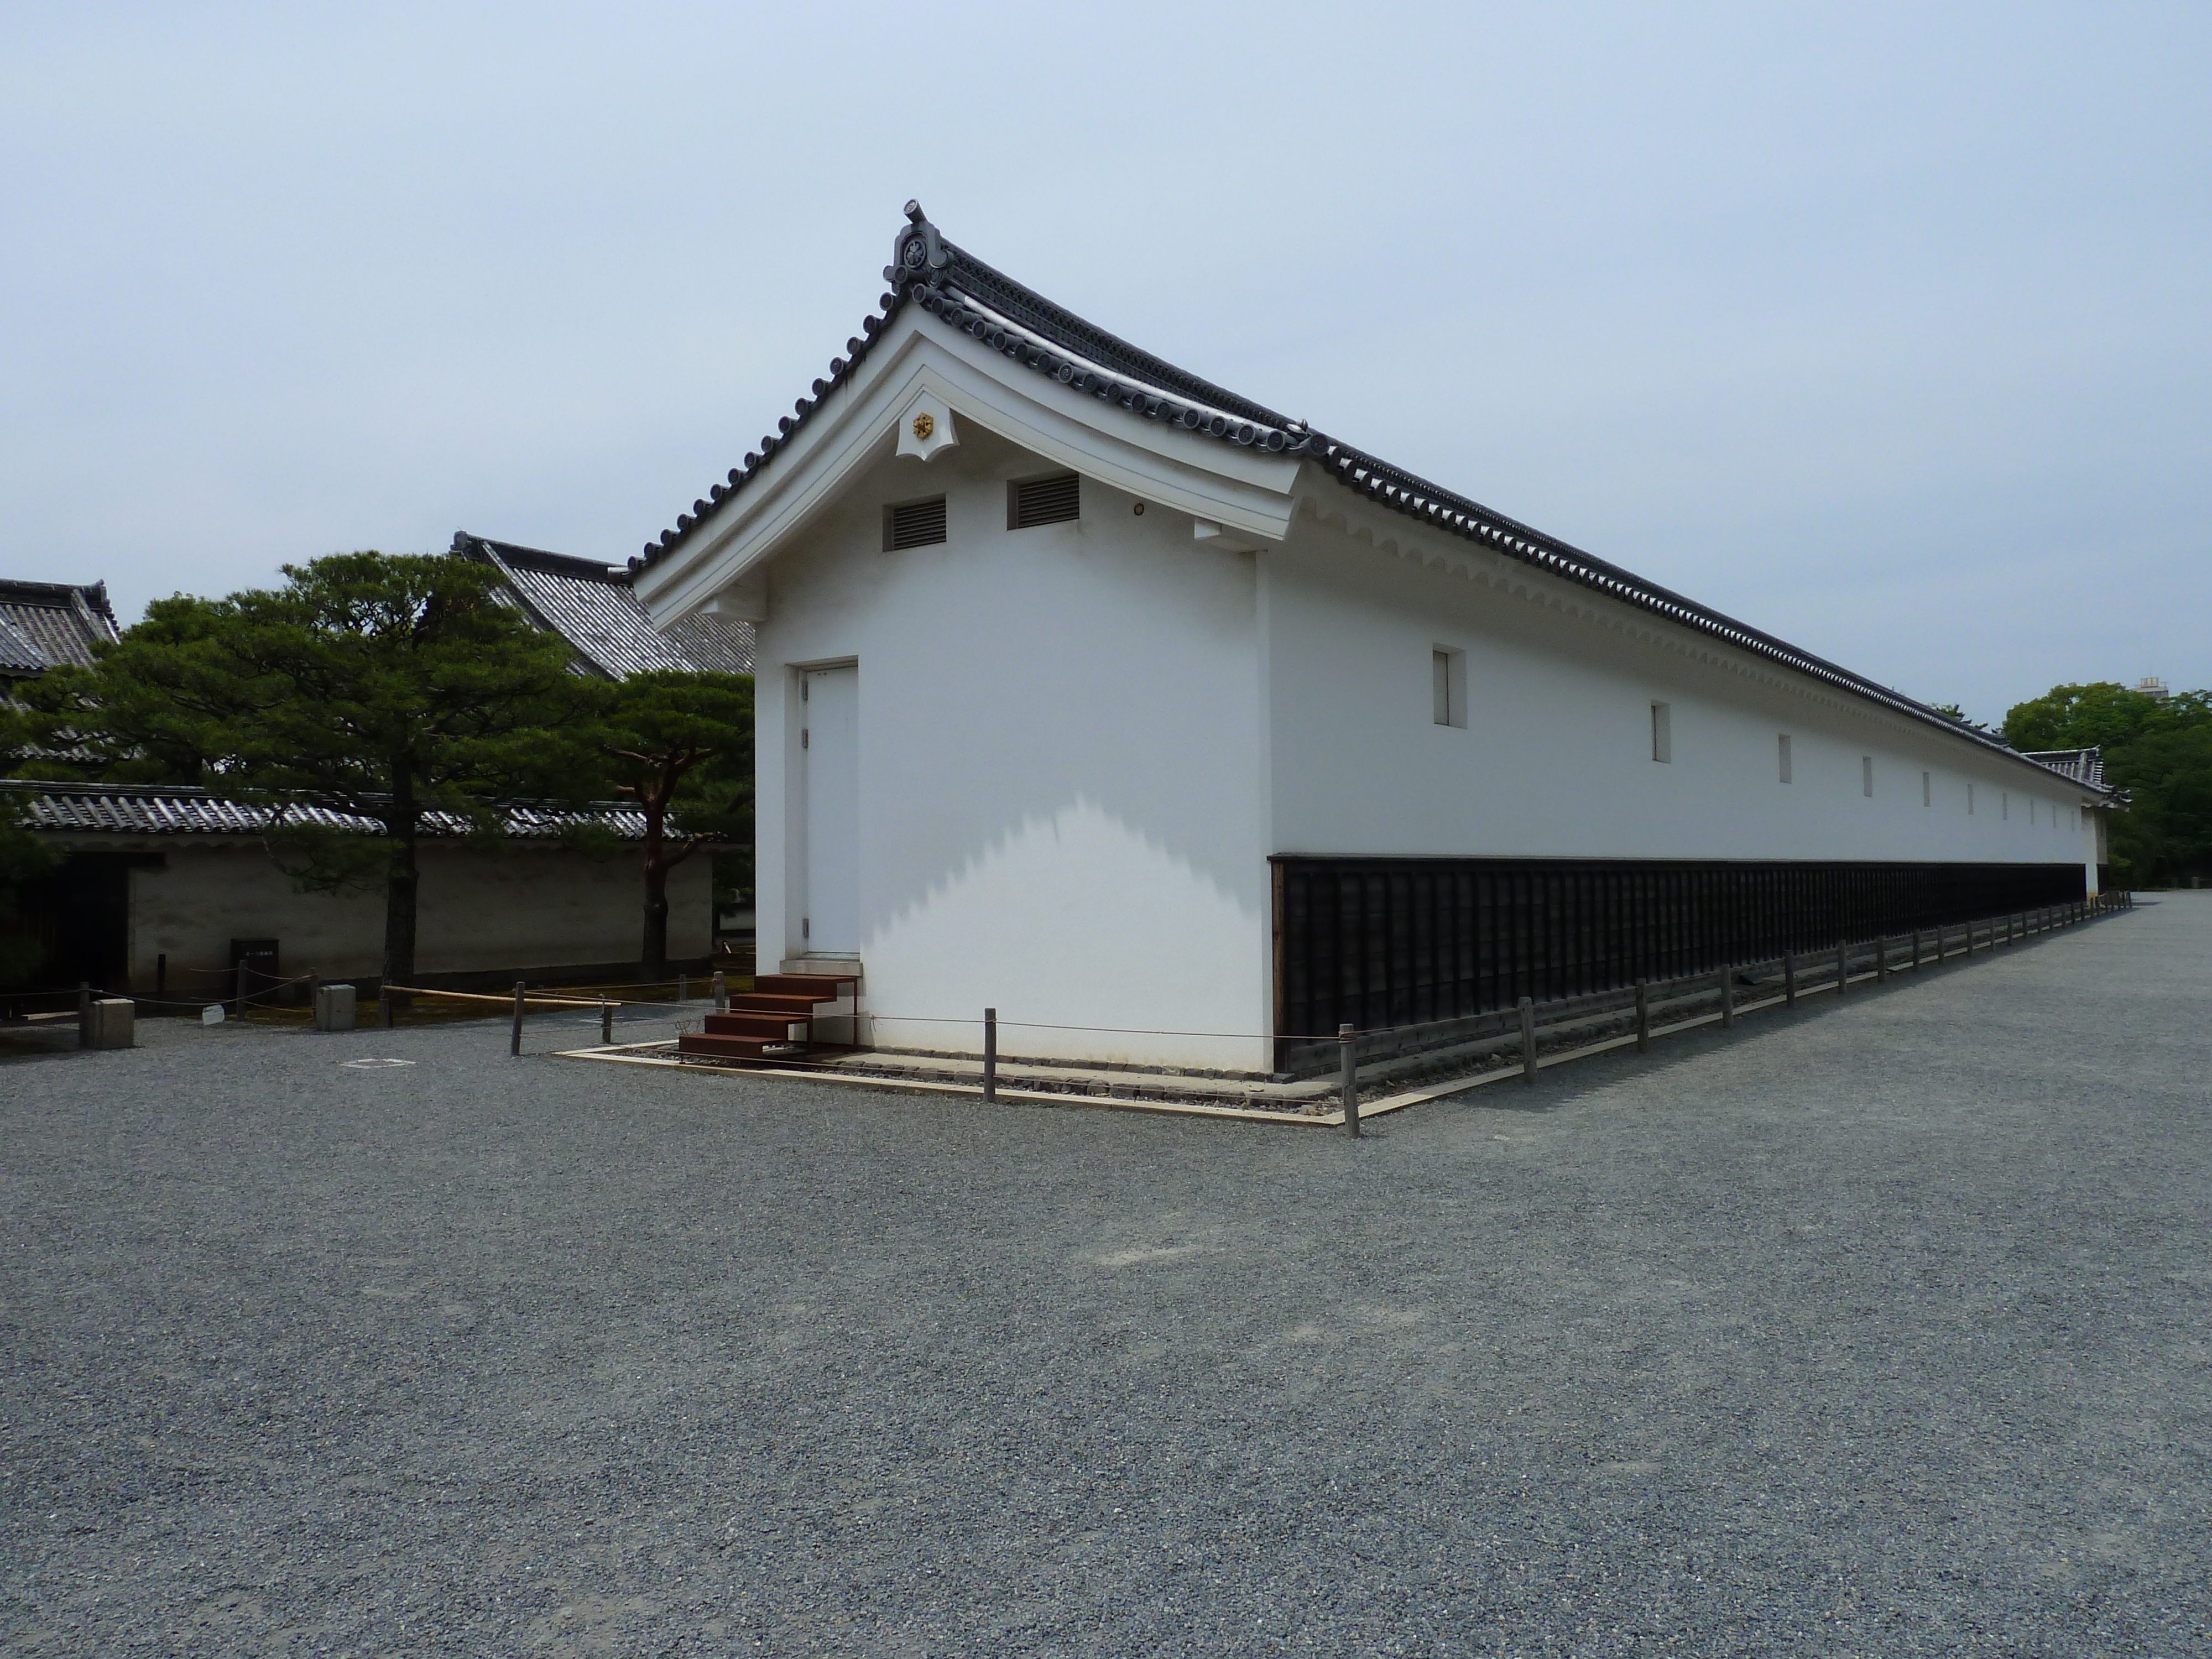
{"type": "Point", "coordinates": [1045, 500]}
{"type": "Point", "coordinates": [917, 524]}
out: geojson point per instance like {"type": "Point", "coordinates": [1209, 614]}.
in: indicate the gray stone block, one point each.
{"type": "Point", "coordinates": [109, 1023]}
{"type": "Point", "coordinates": [334, 1007]}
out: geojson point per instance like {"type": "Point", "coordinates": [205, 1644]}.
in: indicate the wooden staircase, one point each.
{"type": "Point", "coordinates": [764, 1018]}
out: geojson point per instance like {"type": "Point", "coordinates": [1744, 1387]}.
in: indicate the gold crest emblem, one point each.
{"type": "Point", "coordinates": [924, 425]}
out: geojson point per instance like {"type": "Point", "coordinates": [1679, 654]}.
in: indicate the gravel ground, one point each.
{"type": "Point", "coordinates": [1877, 1328]}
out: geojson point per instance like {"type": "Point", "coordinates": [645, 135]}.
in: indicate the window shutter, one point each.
{"type": "Point", "coordinates": [917, 524]}
{"type": "Point", "coordinates": [1045, 500]}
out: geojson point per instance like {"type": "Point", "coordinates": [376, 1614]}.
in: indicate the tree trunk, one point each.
{"type": "Point", "coordinates": [653, 958]}
{"type": "Point", "coordinates": [400, 885]}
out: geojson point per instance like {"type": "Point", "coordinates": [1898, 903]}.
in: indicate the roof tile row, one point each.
{"type": "Point", "coordinates": [178, 810]}
{"type": "Point", "coordinates": [947, 281]}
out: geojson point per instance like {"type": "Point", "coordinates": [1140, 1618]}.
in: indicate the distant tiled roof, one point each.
{"type": "Point", "coordinates": [946, 281]}
{"type": "Point", "coordinates": [176, 810]}
{"type": "Point", "coordinates": [44, 625]}
{"type": "Point", "coordinates": [18, 654]}
{"type": "Point", "coordinates": [592, 607]}
{"type": "Point", "coordinates": [2084, 766]}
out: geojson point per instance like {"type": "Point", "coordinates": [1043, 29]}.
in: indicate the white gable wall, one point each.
{"type": "Point", "coordinates": [1061, 740]}
{"type": "Point", "coordinates": [1555, 758]}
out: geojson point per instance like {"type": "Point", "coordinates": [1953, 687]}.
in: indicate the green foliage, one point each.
{"type": "Point", "coordinates": [388, 688]}
{"type": "Point", "coordinates": [2101, 715]}
{"type": "Point", "coordinates": [2161, 752]}
{"type": "Point", "coordinates": [680, 745]}
{"type": "Point", "coordinates": [2166, 831]}
{"type": "Point", "coordinates": [1952, 711]}
{"type": "Point", "coordinates": [23, 857]}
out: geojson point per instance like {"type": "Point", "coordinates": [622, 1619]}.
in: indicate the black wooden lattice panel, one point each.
{"type": "Point", "coordinates": [1396, 942]}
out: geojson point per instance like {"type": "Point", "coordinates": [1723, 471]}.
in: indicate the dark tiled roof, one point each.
{"type": "Point", "coordinates": [19, 654]}
{"type": "Point", "coordinates": [2084, 766]}
{"type": "Point", "coordinates": [949, 282]}
{"type": "Point", "coordinates": [177, 810]}
{"type": "Point", "coordinates": [44, 625]}
{"type": "Point", "coordinates": [591, 605]}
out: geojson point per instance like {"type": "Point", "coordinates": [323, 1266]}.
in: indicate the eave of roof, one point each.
{"type": "Point", "coordinates": [947, 281]}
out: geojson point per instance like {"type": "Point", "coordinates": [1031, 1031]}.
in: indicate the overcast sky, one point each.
{"type": "Point", "coordinates": [1885, 329]}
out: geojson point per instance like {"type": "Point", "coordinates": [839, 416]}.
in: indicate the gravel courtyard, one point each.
{"type": "Point", "coordinates": [1877, 1328]}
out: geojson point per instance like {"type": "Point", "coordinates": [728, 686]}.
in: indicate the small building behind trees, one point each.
{"type": "Point", "coordinates": [172, 875]}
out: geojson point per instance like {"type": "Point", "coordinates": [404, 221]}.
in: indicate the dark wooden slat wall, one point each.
{"type": "Point", "coordinates": [1385, 942]}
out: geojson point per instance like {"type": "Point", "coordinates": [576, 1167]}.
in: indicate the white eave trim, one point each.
{"type": "Point", "coordinates": [1244, 489]}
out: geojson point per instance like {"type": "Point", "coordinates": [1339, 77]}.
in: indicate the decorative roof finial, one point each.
{"type": "Point", "coordinates": [917, 252]}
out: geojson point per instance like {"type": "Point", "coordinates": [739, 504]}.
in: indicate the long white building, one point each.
{"type": "Point", "coordinates": [1093, 692]}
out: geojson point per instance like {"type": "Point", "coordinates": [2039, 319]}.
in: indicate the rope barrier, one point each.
{"type": "Point", "coordinates": [529, 1001]}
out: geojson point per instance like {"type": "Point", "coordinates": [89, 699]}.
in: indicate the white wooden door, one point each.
{"type": "Point", "coordinates": [830, 752]}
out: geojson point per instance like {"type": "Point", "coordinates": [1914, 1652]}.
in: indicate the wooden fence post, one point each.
{"type": "Point", "coordinates": [1727, 998]}
{"type": "Point", "coordinates": [1348, 1049]}
{"type": "Point", "coordinates": [1843, 965]}
{"type": "Point", "coordinates": [1789, 979]}
{"type": "Point", "coordinates": [1528, 1039]}
{"type": "Point", "coordinates": [606, 1022]}
{"type": "Point", "coordinates": [514, 1042]}
{"type": "Point", "coordinates": [1642, 1016]}
{"type": "Point", "coordinates": [990, 1055]}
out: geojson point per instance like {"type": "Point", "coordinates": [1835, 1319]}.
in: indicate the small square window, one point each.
{"type": "Point", "coordinates": [1782, 748]}
{"type": "Point", "coordinates": [1927, 789]}
{"type": "Point", "coordinates": [1447, 686]}
{"type": "Point", "coordinates": [1866, 775]}
{"type": "Point", "coordinates": [1662, 732]}
{"type": "Point", "coordinates": [1969, 800]}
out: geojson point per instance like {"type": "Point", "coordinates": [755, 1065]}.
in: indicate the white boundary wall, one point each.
{"type": "Point", "coordinates": [1555, 760]}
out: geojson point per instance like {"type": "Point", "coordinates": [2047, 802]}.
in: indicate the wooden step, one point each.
{"type": "Point", "coordinates": [760, 1028]}
{"type": "Point", "coordinates": [822, 988]}
{"type": "Point", "coordinates": [755, 1002]}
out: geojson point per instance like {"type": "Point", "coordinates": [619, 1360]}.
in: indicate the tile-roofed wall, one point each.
{"type": "Point", "coordinates": [591, 605]}
{"type": "Point", "coordinates": [58, 622]}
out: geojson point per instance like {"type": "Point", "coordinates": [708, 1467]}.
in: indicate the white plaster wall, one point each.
{"type": "Point", "coordinates": [520, 907]}
{"type": "Point", "coordinates": [1060, 743]}
{"type": "Point", "coordinates": [1555, 758]}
